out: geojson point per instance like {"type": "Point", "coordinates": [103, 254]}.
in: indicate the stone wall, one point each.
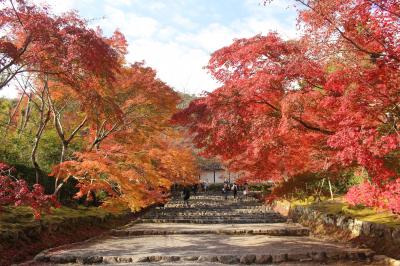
{"type": "Point", "coordinates": [33, 232]}
{"type": "Point", "coordinates": [20, 245]}
{"type": "Point", "coordinates": [379, 237]}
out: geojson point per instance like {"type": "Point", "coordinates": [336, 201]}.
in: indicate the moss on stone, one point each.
{"type": "Point", "coordinates": [15, 219]}
{"type": "Point", "coordinates": [23, 236]}
{"type": "Point", "coordinates": [338, 206]}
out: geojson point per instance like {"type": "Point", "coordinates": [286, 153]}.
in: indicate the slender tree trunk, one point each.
{"type": "Point", "coordinates": [95, 144]}
{"type": "Point", "coordinates": [25, 119]}
{"type": "Point", "coordinates": [12, 114]}
{"type": "Point", "coordinates": [320, 190]}
{"type": "Point", "coordinates": [38, 136]}
{"type": "Point", "coordinates": [65, 145]}
{"type": "Point", "coordinates": [101, 134]}
{"type": "Point", "coordinates": [330, 188]}
{"type": "Point", "coordinates": [94, 198]}
{"type": "Point", "coordinates": [62, 156]}
{"type": "Point", "coordinates": [44, 119]}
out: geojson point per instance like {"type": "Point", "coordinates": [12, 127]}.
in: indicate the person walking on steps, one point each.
{"type": "Point", "coordinates": [205, 186]}
{"type": "Point", "coordinates": [195, 188]}
{"type": "Point", "coordinates": [186, 196]}
{"type": "Point", "coordinates": [246, 190]}
{"type": "Point", "coordinates": [225, 189]}
{"type": "Point", "coordinates": [234, 189]}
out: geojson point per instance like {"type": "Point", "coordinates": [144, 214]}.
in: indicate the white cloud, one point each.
{"type": "Point", "coordinates": [258, 7]}
{"type": "Point", "coordinates": [257, 26]}
{"type": "Point", "coordinates": [174, 39]}
{"type": "Point", "coordinates": [61, 6]}
{"type": "Point", "coordinates": [167, 33]}
{"type": "Point", "coordinates": [120, 2]}
{"type": "Point", "coordinates": [132, 25]}
{"type": "Point", "coordinates": [210, 38]}
{"type": "Point", "coordinates": [178, 65]}
{"type": "Point", "coordinates": [9, 91]}
{"type": "Point", "coordinates": [156, 6]}
{"type": "Point", "coordinates": [216, 36]}
{"type": "Point", "coordinates": [184, 22]}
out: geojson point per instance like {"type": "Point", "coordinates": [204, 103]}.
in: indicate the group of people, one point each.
{"type": "Point", "coordinates": [186, 192]}
{"type": "Point", "coordinates": [226, 189]}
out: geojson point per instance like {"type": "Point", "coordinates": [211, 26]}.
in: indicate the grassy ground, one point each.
{"type": "Point", "coordinates": [22, 237]}
{"type": "Point", "coordinates": [14, 218]}
{"type": "Point", "coordinates": [378, 243]}
{"type": "Point", "coordinates": [338, 206]}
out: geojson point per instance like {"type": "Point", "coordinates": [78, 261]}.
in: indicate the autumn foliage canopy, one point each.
{"type": "Point", "coordinates": [322, 103]}
{"type": "Point", "coordinates": [111, 119]}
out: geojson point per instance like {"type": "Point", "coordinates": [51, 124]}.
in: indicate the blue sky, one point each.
{"type": "Point", "coordinates": [176, 37]}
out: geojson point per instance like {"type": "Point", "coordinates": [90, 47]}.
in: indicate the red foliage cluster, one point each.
{"type": "Point", "coordinates": [61, 46]}
{"type": "Point", "coordinates": [322, 103]}
{"type": "Point", "coordinates": [138, 156]}
{"type": "Point", "coordinates": [17, 193]}
{"type": "Point", "coordinates": [80, 80]}
{"type": "Point", "coordinates": [387, 197]}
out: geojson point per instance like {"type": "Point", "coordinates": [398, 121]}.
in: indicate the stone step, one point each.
{"type": "Point", "coordinates": [215, 220]}
{"type": "Point", "coordinates": [219, 213]}
{"type": "Point", "coordinates": [316, 257]}
{"type": "Point", "coordinates": [218, 196]}
{"type": "Point", "coordinates": [213, 231]}
{"type": "Point", "coordinates": [217, 207]}
{"type": "Point", "coordinates": [225, 249]}
{"type": "Point", "coordinates": [215, 203]}
{"type": "Point", "coordinates": [218, 200]}
{"type": "Point", "coordinates": [269, 232]}
{"type": "Point", "coordinates": [217, 228]}
{"type": "Point", "coordinates": [246, 217]}
{"type": "Point", "coordinates": [213, 210]}
{"type": "Point", "coordinates": [265, 213]}
{"type": "Point", "coordinates": [227, 218]}
{"type": "Point", "coordinates": [188, 216]}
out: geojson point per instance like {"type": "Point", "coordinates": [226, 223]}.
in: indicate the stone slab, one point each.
{"type": "Point", "coordinates": [168, 229]}
{"type": "Point", "coordinates": [185, 247]}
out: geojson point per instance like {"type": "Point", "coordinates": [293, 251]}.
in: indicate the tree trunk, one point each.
{"type": "Point", "coordinates": [38, 137]}
{"type": "Point", "coordinates": [330, 188]}
{"type": "Point", "coordinates": [25, 119]}
{"type": "Point", "coordinates": [62, 156]}
{"type": "Point", "coordinates": [13, 112]}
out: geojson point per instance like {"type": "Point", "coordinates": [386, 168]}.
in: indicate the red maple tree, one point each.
{"type": "Point", "coordinates": [325, 102]}
{"type": "Point", "coordinates": [15, 192]}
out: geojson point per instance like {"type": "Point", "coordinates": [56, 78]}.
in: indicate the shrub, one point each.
{"type": "Point", "coordinates": [16, 192]}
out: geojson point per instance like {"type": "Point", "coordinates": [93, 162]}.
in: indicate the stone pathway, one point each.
{"type": "Point", "coordinates": [213, 231]}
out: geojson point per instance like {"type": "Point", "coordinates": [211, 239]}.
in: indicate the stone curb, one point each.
{"type": "Point", "coordinates": [380, 233]}
{"type": "Point", "coordinates": [359, 255]}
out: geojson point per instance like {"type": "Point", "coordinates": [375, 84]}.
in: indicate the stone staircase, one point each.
{"type": "Point", "coordinates": [213, 209]}
{"type": "Point", "coordinates": [211, 231]}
